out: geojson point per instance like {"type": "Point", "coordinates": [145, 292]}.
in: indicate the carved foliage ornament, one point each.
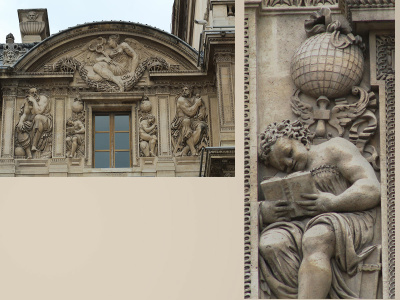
{"type": "Point", "coordinates": [12, 52]}
{"type": "Point", "coordinates": [110, 66]}
{"type": "Point", "coordinates": [298, 3]}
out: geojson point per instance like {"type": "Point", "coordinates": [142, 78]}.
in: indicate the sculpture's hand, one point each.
{"type": "Point", "coordinates": [316, 204]}
{"type": "Point", "coordinates": [21, 126]}
{"type": "Point", "coordinates": [197, 101]}
{"type": "Point", "coordinates": [274, 211]}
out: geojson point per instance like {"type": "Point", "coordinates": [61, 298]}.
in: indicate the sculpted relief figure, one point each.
{"type": "Point", "coordinates": [34, 129]}
{"type": "Point", "coordinates": [110, 65]}
{"type": "Point", "coordinates": [311, 254]}
{"type": "Point", "coordinates": [75, 137]}
{"type": "Point", "coordinates": [115, 60]}
{"type": "Point", "coordinates": [189, 127]}
{"type": "Point", "coordinates": [147, 129]}
{"type": "Point", "coordinates": [148, 136]}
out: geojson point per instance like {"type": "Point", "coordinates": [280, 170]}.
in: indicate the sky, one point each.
{"type": "Point", "coordinates": [69, 13]}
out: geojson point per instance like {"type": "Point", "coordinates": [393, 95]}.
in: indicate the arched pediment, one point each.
{"type": "Point", "coordinates": [116, 54]}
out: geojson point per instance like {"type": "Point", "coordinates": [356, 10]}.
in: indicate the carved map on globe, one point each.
{"type": "Point", "coordinates": [330, 62]}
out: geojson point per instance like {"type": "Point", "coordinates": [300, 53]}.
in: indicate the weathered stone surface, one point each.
{"type": "Point", "coordinates": [120, 70]}
{"type": "Point", "coordinates": [296, 242]}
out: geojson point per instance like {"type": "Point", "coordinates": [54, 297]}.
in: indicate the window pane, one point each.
{"type": "Point", "coordinates": [102, 159]}
{"type": "Point", "coordinates": [121, 123]}
{"type": "Point", "coordinates": [122, 140]}
{"type": "Point", "coordinates": [122, 159]}
{"type": "Point", "coordinates": [102, 123]}
{"type": "Point", "coordinates": [102, 141]}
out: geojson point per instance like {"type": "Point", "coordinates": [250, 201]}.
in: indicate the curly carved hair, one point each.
{"type": "Point", "coordinates": [114, 37]}
{"type": "Point", "coordinates": [276, 130]}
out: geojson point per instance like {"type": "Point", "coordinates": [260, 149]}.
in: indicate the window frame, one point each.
{"type": "Point", "coordinates": [112, 133]}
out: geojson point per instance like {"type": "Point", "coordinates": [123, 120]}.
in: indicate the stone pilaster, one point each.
{"type": "Point", "coordinates": [7, 121]}
{"type": "Point", "coordinates": [225, 73]}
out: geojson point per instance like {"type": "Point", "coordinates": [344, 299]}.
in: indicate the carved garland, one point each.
{"type": "Point", "coordinates": [43, 47]}
{"type": "Point", "coordinates": [385, 49]}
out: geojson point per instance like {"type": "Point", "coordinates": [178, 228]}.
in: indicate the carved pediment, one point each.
{"type": "Point", "coordinates": [110, 56]}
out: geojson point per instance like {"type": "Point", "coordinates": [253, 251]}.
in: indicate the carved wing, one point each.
{"type": "Point", "coordinates": [139, 48]}
{"type": "Point", "coordinates": [303, 110]}
{"type": "Point", "coordinates": [91, 51]}
{"type": "Point", "coordinates": [343, 114]}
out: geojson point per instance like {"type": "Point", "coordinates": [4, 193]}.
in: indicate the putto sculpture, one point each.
{"type": "Point", "coordinates": [34, 129]}
{"type": "Point", "coordinates": [106, 64]}
{"type": "Point", "coordinates": [189, 128]}
{"type": "Point", "coordinates": [312, 254]}
{"type": "Point", "coordinates": [75, 130]}
{"type": "Point", "coordinates": [147, 129]}
{"type": "Point", "coordinates": [318, 224]}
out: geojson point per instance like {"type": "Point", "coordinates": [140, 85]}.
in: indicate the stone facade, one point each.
{"type": "Point", "coordinates": [161, 102]}
{"type": "Point", "coordinates": [319, 98]}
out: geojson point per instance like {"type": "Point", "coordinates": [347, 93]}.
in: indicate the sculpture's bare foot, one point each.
{"type": "Point", "coordinates": [29, 157]}
{"type": "Point", "coordinates": [34, 148]}
{"type": "Point", "coordinates": [152, 154]}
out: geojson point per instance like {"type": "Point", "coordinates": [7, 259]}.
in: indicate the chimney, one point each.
{"type": "Point", "coordinates": [33, 24]}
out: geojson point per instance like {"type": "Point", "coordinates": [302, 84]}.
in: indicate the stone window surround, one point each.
{"type": "Point", "coordinates": [107, 106]}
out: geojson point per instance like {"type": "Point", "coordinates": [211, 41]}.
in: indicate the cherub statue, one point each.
{"type": "Point", "coordinates": [75, 136]}
{"type": "Point", "coordinates": [307, 257]}
{"type": "Point", "coordinates": [148, 135]}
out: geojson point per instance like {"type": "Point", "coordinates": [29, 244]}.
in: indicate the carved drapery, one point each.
{"type": "Point", "coordinates": [356, 131]}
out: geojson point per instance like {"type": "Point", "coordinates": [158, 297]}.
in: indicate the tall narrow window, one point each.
{"type": "Point", "coordinates": [112, 144]}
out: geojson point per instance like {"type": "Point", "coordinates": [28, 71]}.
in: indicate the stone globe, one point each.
{"type": "Point", "coordinates": [145, 105]}
{"type": "Point", "coordinates": [320, 69]}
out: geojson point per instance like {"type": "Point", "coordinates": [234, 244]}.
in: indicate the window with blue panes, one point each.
{"type": "Point", "coordinates": [112, 140]}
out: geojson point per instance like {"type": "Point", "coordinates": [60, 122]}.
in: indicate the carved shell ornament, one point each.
{"type": "Point", "coordinates": [110, 65]}
{"type": "Point", "coordinates": [328, 67]}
